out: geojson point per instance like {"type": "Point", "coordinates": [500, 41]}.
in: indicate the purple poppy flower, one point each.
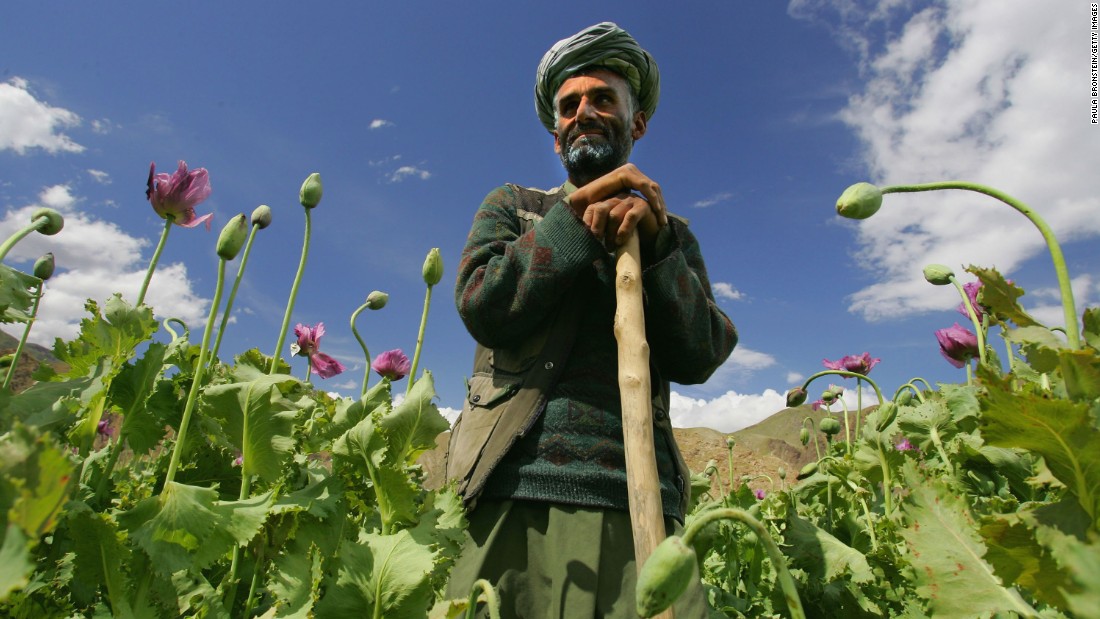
{"type": "Point", "coordinates": [175, 197]}
{"type": "Point", "coordinates": [859, 364]}
{"type": "Point", "coordinates": [103, 428]}
{"type": "Point", "coordinates": [760, 494]}
{"type": "Point", "coordinates": [957, 344]}
{"type": "Point", "coordinates": [971, 289]}
{"type": "Point", "coordinates": [392, 364]}
{"type": "Point", "coordinates": [308, 345]}
{"type": "Point", "coordinates": [904, 445]}
{"type": "Point", "coordinates": [817, 405]}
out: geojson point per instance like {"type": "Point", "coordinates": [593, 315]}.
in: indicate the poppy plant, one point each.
{"type": "Point", "coordinates": [392, 364]}
{"type": "Point", "coordinates": [858, 364]}
{"type": "Point", "coordinates": [308, 345]}
{"type": "Point", "coordinates": [957, 344]}
{"type": "Point", "coordinates": [174, 197]}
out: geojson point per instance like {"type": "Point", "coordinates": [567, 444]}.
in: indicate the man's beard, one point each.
{"type": "Point", "coordinates": [594, 156]}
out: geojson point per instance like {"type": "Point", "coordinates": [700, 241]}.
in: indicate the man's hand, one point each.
{"type": "Point", "coordinates": [610, 207]}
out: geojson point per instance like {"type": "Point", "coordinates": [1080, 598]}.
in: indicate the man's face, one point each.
{"type": "Point", "coordinates": [596, 124]}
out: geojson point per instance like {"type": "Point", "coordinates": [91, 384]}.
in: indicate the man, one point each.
{"type": "Point", "coordinates": [538, 451]}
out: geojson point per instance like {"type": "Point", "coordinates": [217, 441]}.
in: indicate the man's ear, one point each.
{"type": "Point", "coordinates": [557, 142]}
{"type": "Point", "coordinates": [638, 125]}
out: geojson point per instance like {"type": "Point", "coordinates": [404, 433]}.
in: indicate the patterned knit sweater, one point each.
{"type": "Point", "coordinates": [510, 283]}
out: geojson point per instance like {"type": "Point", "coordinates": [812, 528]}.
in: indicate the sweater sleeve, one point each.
{"type": "Point", "coordinates": [509, 283]}
{"type": "Point", "coordinates": [688, 335]}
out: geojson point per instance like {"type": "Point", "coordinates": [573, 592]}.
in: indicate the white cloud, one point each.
{"type": "Point", "coordinates": [26, 122]}
{"type": "Point", "coordinates": [101, 126]}
{"type": "Point", "coordinates": [726, 413]}
{"type": "Point", "coordinates": [100, 176]}
{"type": "Point", "coordinates": [740, 365]}
{"type": "Point", "coordinates": [966, 90]}
{"type": "Point", "coordinates": [724, 290]}
{"type": "Point", "coordinates": [378, 123]}
{"type": "Point", "coordinates": [793, 378]}
{"type": "Point", "coordinates": [95, 259]}
{"type": "Point", "coordinates": [712, 200]}
{"type": "Point", "coordinates": [406, 171]}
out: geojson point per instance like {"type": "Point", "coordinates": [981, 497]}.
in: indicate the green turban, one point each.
{"type": "Point", "coordinates": [603, 45]}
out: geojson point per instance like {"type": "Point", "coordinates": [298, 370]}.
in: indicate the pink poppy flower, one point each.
{"type": "Point", "coordinates": [392, 364]}
{"type": "Point", "coordinates": [859, 364]}
{"type": "Point", "coordinates": [174, 197]}
{"type": "Point", "coordinates": [308, 345]}
{"type": "Point", "coordinates": [957, 344]}
{"type": "Point", "coordinates": [904, 445]}
{"type": "Point", "coordinates": [760, 494]}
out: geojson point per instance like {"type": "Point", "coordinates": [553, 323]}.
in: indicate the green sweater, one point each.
{"type": "Point", "coordinates": [510, 283]}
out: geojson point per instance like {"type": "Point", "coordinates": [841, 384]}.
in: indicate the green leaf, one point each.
{"type": "Point", "coordinates": [196, 597]}
{"type": "Point", "coordinates": [1091, 331]}
{"type": "Point", "coordinates": [350, 412]}
{"type": "Point", "coordinates": [1001, 297]}
{"type": "Point", "coordinates": [1081, 371]}
{"type": "Point", "coordinates": [946, 554]}
{"type": "Point", "coordinates": [412, 427]}
{"type": "Point", "coordinates": [134, 391]}
{"type": "Point", "coordinates": [35, 480]}
{"type": "Point", "coordinates": [821, 555]}
{"type": "Point", "coordinates": [53, 405]}
{"type": "Point", "coordinates": [15, 564]}
{"type": "Point", "coordinates": [1060, 431]}
{"type": "Point", "coordinates": [295, 581]}
{"type": "Point", "coordinates": [16, 297]}
{"type": "Point", "coordinates": [381, 576]}
{"type": "Point", "coordinates": [186, 527]}
{"type": "Point", "coordinates": [114, 334]}
{"type": "Point", "coordinates": [1082, 562]}
{"type": "Point", "coordinates": [102, 560]}
{"type": "Point", "coordinates": [258, 420]}
{"type": "Point", "coordinates": [1018, 558]}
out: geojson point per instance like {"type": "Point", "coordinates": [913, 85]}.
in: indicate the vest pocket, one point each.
{"type": "Point", "coordinates": [487, 399]}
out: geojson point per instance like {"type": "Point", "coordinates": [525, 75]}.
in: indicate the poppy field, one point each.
{"type": "Point", "coordinates": [152, 474]}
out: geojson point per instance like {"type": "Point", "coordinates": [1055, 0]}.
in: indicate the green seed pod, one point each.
{"type": "Point", "coordinates": [43, 267]}
{"type": "Point", "coordinates": [807, 470]}
{"type": "Point", "coordinates": [377, 299]}
{"type": "Point", "coordinates": [859, 201]}
{"type": "Point", "coordinates": [310, 194]}
{"type": "Point", "coordinates": [261, 216]}
{"type": "Point", "coordinates": [905, 397]}
{"type": "Point", "coordinates": [433, 267]}
{"type": "Point", "coordinates": [54, 221]}
{"type": "Point", "coordinates": [829, 426]}
{"type": "Point", "coordinates": [796, 397]}
{"type": "Point", "coordinates": [804, 436]}
{"type": "Point", "coordinates": [782, 471]}
{"type": "Point", "coordinates": [886, 415]}
{"type": "Point", "coordinates": [232, 237]}
{"type": "Point", "coordinates": [730, 441]}
{"type": "Point", "coordinates": [6, 360]}
{"type": "Point", "coordinates": [664, 576]}
{"type": "Point", "coordinates": [938, 274]}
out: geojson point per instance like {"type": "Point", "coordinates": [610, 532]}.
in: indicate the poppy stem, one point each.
{"type": "Point", "coordinates": [153, 262]}
{"type": "Point", "coordinates": [363, 345]}
{"type": "Point", "coordinates": [233, 295]}
{"type": "Point", "coordinates": [419, 339]}
{"type": "Point", "coordinates": [36, 224]}
{"type": "Point", "coordinates": [276, 356]}
{"type": "Point", "coordinates": [23, 340]}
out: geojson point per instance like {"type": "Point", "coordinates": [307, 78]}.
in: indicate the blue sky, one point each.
{"type": "Point", "coordinates": [413, 111]}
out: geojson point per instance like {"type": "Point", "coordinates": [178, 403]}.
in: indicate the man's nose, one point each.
{"type": "Point", "coordinates": [585, 109]}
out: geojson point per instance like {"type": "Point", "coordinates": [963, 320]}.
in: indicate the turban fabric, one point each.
{"type": "Point", "coordinates": [602, 45]}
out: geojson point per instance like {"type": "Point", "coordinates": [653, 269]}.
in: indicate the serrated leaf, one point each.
{"type": "Point", "coordinates": [1081, 373]}
{"type": "Point", "coordinates": [53, 405]}
{"type": "Point", "coordinates": [114, 334]}
{"type": "Point", "coordinates": [1001, 297]}
{"type": "Point", "coordinates": [186, 527]}
{"type": "Point", "coordinates": [15, 564]}
{"type": "Point", "coordinates": [1082, 562]}
{"type": "Point", "coordinates": [350, 412]}
{"type": "Point", "coordinates": [16, 296]}
{"type": "Point", "coordinates": [382, 576]}
{"type": "Point", "coordinates": [821, 555]}
{"type": "Point", "coordinates": [947, 554]}
{"type": "Point", "coordinates": [258, 420]}
{"type": "Point", "coordinates": [1091, 331]}
{"type": "Point", "coordinates": [1058, 430]}
{"type": "Point", "coordinates": [133, 392]}
{"type": "Point", "coordinates": [320, 497]}
{"type": "Point", "coordinates": [362, 445]}
{"type": "Point", "coordinates": [396, 495]}
{"type": "Point", "coordinates": [414, 424]}
{"type": "Point", "coordinates": [1018, 558]}
{"type": "Point", "coordinates": [101, 559]}
{"type": "Point", "coordinates": [35, 475]}
{"type": "Point", "coordinates": [294, 580]}
{"type": "Point", "coordinates": [196, 597]}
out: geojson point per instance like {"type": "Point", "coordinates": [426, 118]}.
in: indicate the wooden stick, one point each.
{"type": "Point", "coordinates": [643, 485]}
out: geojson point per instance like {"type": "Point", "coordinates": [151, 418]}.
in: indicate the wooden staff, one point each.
{"type": "Point", "coordinates": [643, 485]}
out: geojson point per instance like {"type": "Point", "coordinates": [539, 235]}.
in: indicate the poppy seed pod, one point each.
{"type": "Point", "coordinates": [433, 267]}
{"type": "Point", "coordinates": [310, 194]}
{"type": "Point", "coordinates": [54, 221]}
{"type": "Point", "coordinates": [664, 576]}
{"type": "Point", "coordinates": [43, 267]}
{"type": "Point", "coordinates": [261, 216]}
{"type": "Point", "coordinates": [232, 237]}
{"type": "Point", "coordinates": [829, 426]}
{"type": "Point", "coordinates": [938, 274]}
{"type": "Point", "coordinates": [377, 299]}
{"type": "Point", "coordinates": [804, 436]}
{"type": "Point", "coordinates": [904, 398]}
{"type": "Point", "coordinates": [888, 412]}
{"type": "Point", "coordinates": [807, 470]}
{"type": "Point", "coordinates": [796, 397]}
{"type": "Point", "coordinates": [859, 201]}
